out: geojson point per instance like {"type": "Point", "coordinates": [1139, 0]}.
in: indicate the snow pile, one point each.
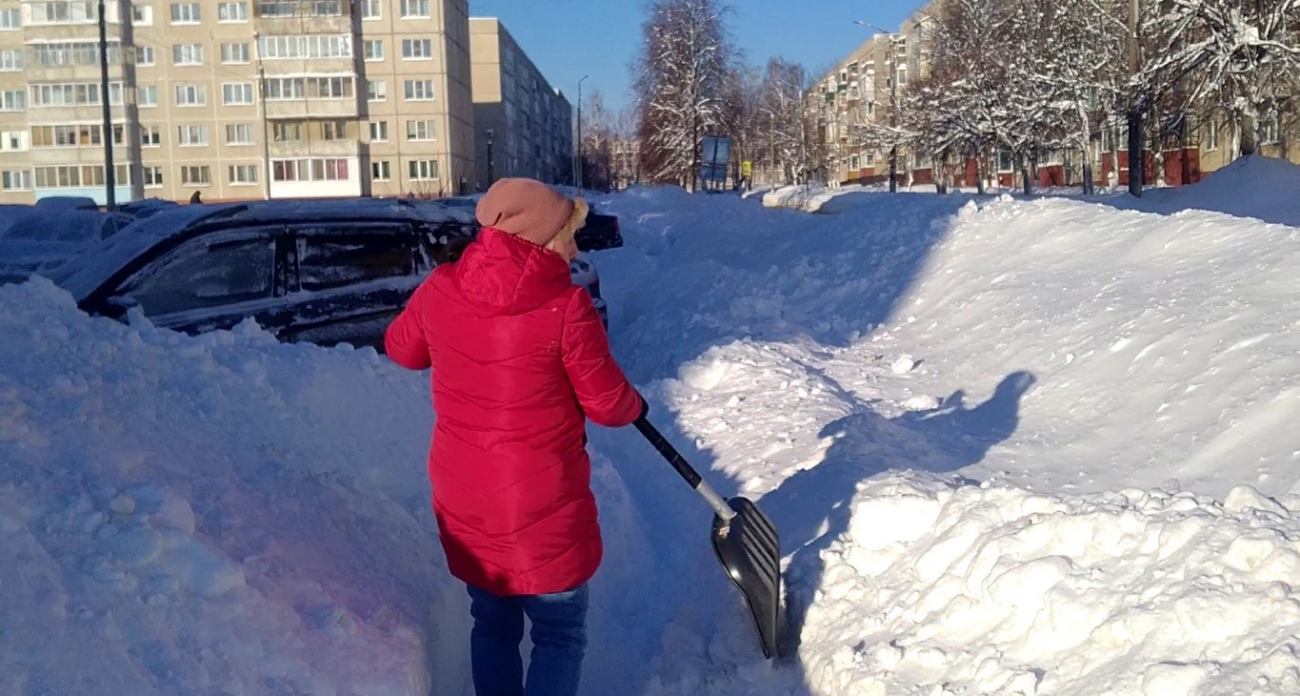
{"type": "Point", "coordinates": [943, 590]}
{"type": "Point", "coordinates": [1254, 187]}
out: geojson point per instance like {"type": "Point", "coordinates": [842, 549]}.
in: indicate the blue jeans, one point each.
{"type": "Point", "coordinates": [559, 641]}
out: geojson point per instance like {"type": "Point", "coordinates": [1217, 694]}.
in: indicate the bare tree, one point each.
{"type": "Point", "coordinates": [680, 82]}
{"type": "Point", "coordinates": [596, 148]}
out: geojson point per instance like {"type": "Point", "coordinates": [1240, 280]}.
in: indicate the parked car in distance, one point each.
{"type": "Point", "coordinates": [325, 271]}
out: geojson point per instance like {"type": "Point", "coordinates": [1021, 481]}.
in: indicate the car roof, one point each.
{"type": "Point", "coordinates": [84, 272]}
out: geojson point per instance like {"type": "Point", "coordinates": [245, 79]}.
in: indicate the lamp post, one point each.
{"type": "Point", "coordinates": [577, 161]}
{"type": "Point", "coordinates": [110, 183]}
{"type": "Point", "coordinates": [491, 169]}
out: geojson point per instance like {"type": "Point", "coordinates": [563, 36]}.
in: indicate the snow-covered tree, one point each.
{"type": "Point", "coordinates": [1241, 55]}
{"type": "Point", "coordinates": [597, 142]}
{"type": "Point", "coordinates": [781, 118]}
{"type": "Point", "coordinates": [680, 84]}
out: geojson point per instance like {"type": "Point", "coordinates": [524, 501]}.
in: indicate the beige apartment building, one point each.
{"type": "Point", "coordinates": [237, 100]}
{"type": "Point", "coordinates": [523, 126]}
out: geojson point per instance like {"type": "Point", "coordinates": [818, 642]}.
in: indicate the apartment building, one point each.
{"type": "Point", "coordinates": [236, 100]}
{"type": "Point", "coordinates": [523, 126]}
{"type": "Point", "coordinates": [855, 92]}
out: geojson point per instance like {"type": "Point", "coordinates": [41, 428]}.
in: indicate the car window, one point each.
{"type": "Point", "coordinates": [327, 261]}
{"type": "Point", "coordinates": [203, 274]}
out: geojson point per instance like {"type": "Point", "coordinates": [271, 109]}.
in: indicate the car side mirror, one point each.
{"type": "Point", "coordinates": [124, 302]}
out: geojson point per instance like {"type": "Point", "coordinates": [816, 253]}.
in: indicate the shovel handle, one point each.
{"type": "Point", "coordinates": [687, 472]}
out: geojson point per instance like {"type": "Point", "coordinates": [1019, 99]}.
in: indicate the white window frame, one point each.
{"type": "Point", "coordinates": [16, 180]}
{"type": "Point", "coordinates": [192, 135]}
{"type": "Point", "coordinates": [185, 13]}
{"type": "Point", "coordinates": [423, 170]}
{"type": "Point", "coordinates": [241, 13]}
{"type": "Point", "coordinates": [415, 9]}
{"type": "Point", "coordinates": [243, 90]}
{"type": "Point", "coordinates": [371, 10]}
{"type": "Point", "coordinates": [379, 131]}
{"type": "Point", "coordinates": [244, 50]}
{"type": "Point", "coordinates": [421, 130]}
{"type": "Point", "coordinates": [240, 129]}
{"type": "Point", "coordinates": [196, 96]}
{"type": "Point", "coordinates": [153, 176]}
{"type": "Point", "coordinates": [145, 56]}
{"type": "Point", "coordinates": [373, 50]}
{"type": "Point", "coordinates": [11, 60]}
{"type": "Point", "coordinates": [381, 170]}
{"type": "Point", "coordinates": [246, 170]}
{"type": "Point", "coordinates": [417, 49]}
{"type": "Point", "coordinates": [141, 91]}
{"type": "Point", "coordinates": [409, 91]}
{"type": "Point", "coordinates": [376, 95]}
{"type": "Point", "coordinates": [141, 15]}
{"type": "Point", "coordinates": [13, 100]}
{"type": "Point", "coordinates": [190, 171]}
{"type": "Point", "coordinates": [11, 19]}
{"type": "Point", "coordinates": [187, 55]}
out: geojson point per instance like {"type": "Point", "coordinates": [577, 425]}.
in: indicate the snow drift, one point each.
{"type": "Point", "coordinates": [1013, 447]}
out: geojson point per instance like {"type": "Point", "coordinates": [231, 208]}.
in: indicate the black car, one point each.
{"type": "Point", "coordinates": [321, 271]}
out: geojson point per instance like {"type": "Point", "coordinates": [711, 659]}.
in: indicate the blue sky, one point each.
{"type": "Point", "coordinates": [571, 38]}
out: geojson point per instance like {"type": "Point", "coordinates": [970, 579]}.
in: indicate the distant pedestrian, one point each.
{"type": "Point", "coordinates": [195, 198]}
{"type": "Point", "coordinates": [520, 360]}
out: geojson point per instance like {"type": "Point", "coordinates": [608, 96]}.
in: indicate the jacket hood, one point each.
{"type": "Point", "coordinates": [503, 274]}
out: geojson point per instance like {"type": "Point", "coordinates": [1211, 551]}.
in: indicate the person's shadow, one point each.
{"type": "Point", "coordinates": [812, 508]}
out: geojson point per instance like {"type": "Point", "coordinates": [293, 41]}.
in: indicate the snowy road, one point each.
{"type": "Point", "coordinates": [1013, 447]}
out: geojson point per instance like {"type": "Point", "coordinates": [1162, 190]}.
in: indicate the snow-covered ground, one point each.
{"type": "Point", "coordinates": [1012, 446]}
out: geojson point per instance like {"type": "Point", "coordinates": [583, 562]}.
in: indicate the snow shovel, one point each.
{"type": "Point", "coordinates": [744, 540]}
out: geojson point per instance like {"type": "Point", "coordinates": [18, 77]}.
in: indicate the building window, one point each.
{"type": "Point", "coordinates": [237, 94]}
{"type": "Point", "coordinates": [1270, 130]}
{"type": "Point", "coordinates": [334, 130]}
{"type": "Point", "coordinates": [413, 9]}
{"type": "Point", "coordinates": [16, 180]}
{"type": "Point", "coordinates": [142, 15]}
{"type": "Point", "coordinates": [419, 90]}
{"type": "Point", "coordinates": [186, 13]}
{"type": "Point", "coordinates": [147, 97]}
{"type": "Point", "coordinates": [144, 56]}
{"type": "Point", "coordinates": [423, 170]}
{"type": "Point", "coordinates": [196, 175]}
{"type": "Point", "coordinates": [60, 53]}
{"type": "Point", "coordinates": [11, 60]}
{"type": "Point", "coordinates": [232, 12]}
{"type": "Point", "coordinates": [417, 49]}
{"type": "Point", "coordinates": [11, 20]}
{"type": "Point", "coordinates": [63, 12]}
{"type": "Point", "coordinates": [191, 95]}
{"type": "Point", "coordinates": [378, 131]}
{"type": "Point", "coordinates": [14, 100]}
{"type": "Point", "coordinates": [374, 49]}
{"type": "Point", "coordinates": [195, 135]}
{"type": "Point", "coordinates": [187, 54]}
{"type": "Point", "coordinates": [235, 53]}
{"type": "Point", "coordinates": [153, 177]}
{"type": "Point", "coordinates": [1211, 135]}
{"type": "Point", "coordinates": [239, 134]}
{"type": "Point", "coordinates": [292, 88]}
{"type": "Point", "coordinates": [73, 94]}
{"type": "Point", "coordinates": [243, 174]}
{"type": "Point", "coordinates": [289, 47]}
{"type": "Point", "coordinates": [376, 90]}
{"type": "Point", "coordinates": [328, 169]}
{"type": "Point", "coordinates": [305, 8]}
{"type": "Point", "coordinates": [73, 175]}
{"type": "Point", "coordinates": [372, 9]}
{"type": "Point", "coordinates": [150, 136]}
{"type": "Point", "coordinates": [13, 141]}
{"type": "Point", "coordinates": [419, 130]}
{"type": "Point", "coordinates": [76, 135]}
{"type": "Point", "coordinates": [286, 132]}
{"type": "Point", "coordinates": [380, 171]}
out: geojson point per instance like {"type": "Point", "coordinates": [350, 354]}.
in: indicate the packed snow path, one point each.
{"type": "Point", "coordinates": [1013, 447]}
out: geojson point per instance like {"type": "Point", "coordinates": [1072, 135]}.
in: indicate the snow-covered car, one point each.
{"type": "Point", "coordinates": [320, 271]}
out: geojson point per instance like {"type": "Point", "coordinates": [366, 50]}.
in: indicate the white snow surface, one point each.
{"type": "Point", "coordinates": [1012, 447]}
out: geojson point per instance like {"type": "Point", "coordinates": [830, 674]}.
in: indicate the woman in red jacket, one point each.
{"type": "Point", "coordinates": [520, 361]}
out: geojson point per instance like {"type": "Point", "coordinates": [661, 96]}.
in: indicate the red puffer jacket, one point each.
{"type": "Point", "coordinates": [519, 356]}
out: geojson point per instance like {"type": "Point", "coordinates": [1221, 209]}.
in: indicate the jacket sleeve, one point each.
{"type": "Point", "coordinates": [603, 391]}
{"type": "Point", "coordinates": [404, 341]}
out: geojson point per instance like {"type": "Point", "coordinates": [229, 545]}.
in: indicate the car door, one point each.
{"type": "Point", "coordinates": [211, 282]}
{"type": "Point", "coordinates": [348, 281]}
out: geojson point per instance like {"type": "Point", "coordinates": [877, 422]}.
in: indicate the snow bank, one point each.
{"type": "Point", "coordinates": [1256, 187]}
{"type": "Point", "coordinates": [939, 589]}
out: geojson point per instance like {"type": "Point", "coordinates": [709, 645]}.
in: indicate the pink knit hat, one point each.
{"type": "Point", "coordinates": [530, 210]}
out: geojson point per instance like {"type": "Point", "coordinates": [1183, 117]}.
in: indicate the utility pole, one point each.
{"type": "Point", "coordinates": [491, 170]}
{"type": "Point", "coordinates": [1135, 168]}
{"type": "Point", "coordinates": [109, 171]}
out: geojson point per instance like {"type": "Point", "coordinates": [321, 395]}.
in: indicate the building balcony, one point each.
{"type": "Point", "coordinates": [306, 109]}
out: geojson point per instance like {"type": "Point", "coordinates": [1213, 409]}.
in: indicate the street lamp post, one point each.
{"type": "Point", "coordinates": [491, 169]}
{"type": "Point", "coordinates": [577, 161]}
{"type": "Point", "coordinates": [110, 174]}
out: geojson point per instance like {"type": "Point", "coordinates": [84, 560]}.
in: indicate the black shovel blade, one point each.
{"type": "Point", "coordinates": [750, 552]}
